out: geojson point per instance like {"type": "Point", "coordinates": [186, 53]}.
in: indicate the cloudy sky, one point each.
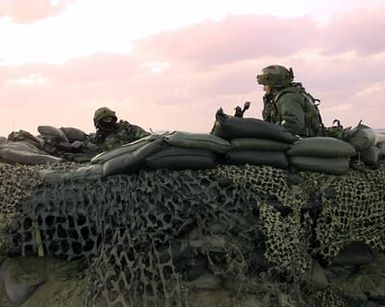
{"type": "Point", "coordinates": [169, 65]}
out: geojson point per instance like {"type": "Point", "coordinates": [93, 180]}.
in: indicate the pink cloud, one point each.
{"type": "Point", "coordinates": [360, 30]}
{"type": "Point", "coordinates": [21, 11]}
{"type": "Point", "coordinates": [233, 39]}
{"type": "Point", "coordinates": [177, 80]}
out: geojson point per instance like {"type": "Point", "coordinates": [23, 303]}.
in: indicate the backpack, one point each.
{"type": "Point", "coordinates": [313, 121]}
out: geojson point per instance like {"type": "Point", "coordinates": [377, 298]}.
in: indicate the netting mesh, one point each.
{"type": "Point", "coordinates": [148, 234]}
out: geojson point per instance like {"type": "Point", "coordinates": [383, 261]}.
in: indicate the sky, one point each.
{"type": "Point", "coordinates": [170, 65]}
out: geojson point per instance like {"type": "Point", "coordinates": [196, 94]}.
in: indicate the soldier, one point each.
{"type": "Point", "coordinates": [287, 103]}
{"type": "Point", "coordinates": [110, 133]}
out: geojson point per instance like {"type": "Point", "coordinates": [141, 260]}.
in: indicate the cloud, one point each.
{"type": "Point", "coordinates": [359, 30]}
{"type": "Point", "coordinates": [21, 11]}
{"type": "Point", "coordinates": [233, 39]}
{"type": "Point", "coordinates": [178, 79]}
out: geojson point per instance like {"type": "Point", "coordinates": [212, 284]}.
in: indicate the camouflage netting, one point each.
{"type": "Point", "coordinates": [150, 235]}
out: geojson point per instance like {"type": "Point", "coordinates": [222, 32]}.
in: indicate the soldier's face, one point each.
{"type": "Point", "coordinates": [267, 88]}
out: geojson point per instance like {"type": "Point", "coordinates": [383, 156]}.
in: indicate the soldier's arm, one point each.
{"type": "Point", "coordinates": [138, 132]}
{"type": "Point", "coordinates": [292, 113]}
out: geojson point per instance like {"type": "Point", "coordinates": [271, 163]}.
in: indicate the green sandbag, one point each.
{"type": "Point", "coordinates": [74, 134]}
{"type": "Point", "coordinates": [198, 141]}
{"type": "Point", "coordinates": [182, 158]}
{"type": "Point", "coordinates": [121, 150]}
{"type": "Point", "coordinates": [272, 158]}
{"type": "Point", "coordinates": [333, 166]}
{"type": "Point", "coordinates": [229, 127]}
{"type": "Point", "coordinates": [371, 155]}
{"type": "Point", "coordinates": [381, 146]}
{"type": "Point", "coordinates": [360, 137]}
{"type": "Point", "coordinates": [258, 144]}
{"type": "Point", "coordinates": [10, 155]}
{"type": "Point", "coordinates": [90, 172]}
{"type": "Point", "coordinates": [319, 146]}
{"type": "Point", "coordinates": [52, 133]}
{"type": "Point", "coordinates": [133, 160]}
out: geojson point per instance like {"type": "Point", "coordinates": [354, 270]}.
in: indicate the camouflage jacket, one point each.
{"type": "Point", "coordinates": [123, 133]}
{"type": "Point", "coordinates": [294, 112]}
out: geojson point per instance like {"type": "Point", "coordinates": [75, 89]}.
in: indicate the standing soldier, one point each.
{"type": "Point", "coordinates": [110, 133]}
{"type": "Point", "coordinates": [286, 103]}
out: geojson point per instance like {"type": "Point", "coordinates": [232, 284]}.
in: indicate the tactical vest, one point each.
{"type": "Point", "coordinates": [313, 120]}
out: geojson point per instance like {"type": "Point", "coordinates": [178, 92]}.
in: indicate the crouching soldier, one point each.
{"type": "Point", "coordinates": [110, 133]}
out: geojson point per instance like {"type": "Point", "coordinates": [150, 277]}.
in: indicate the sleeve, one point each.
{"type": "Point", "coordinates": [292, 113]}
{"type": "Point", "coordinates": [138, 132]}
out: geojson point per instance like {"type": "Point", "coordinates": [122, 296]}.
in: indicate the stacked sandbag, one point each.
{"type": "Point", "coordinates": [321, 154]}
{"type": "Point", "coordinates": [129, 157]}
{"type": "Point", "coordinates": [25, 136]}
{"type": "Point", "coordinates": [253, 141]}
{"type": "Point", "coordinates": [74, 134]}
{"type": "Point", "coordinates": [52, 133]}
{"type": "Point", "coordinates": [189, 151]}
{"type": "Point", "coordinates": [367, 144]}
{"type": "Point", "coordinates": [25, 153]}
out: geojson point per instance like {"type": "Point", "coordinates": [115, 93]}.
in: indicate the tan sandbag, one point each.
{"type": "Point", "coordinates": [319, 146]}
{"type": "Point", "coordinates": [3, 140]}
{"type": "Point", "coordinates": [25, 136]}
{"type": "Point", "coordinates": [19, 283]}
{"type": "Point", "coordinates": [52, 133]}
{"type": "Point", "coordinates": [258, 144]}
{"type": "Point", "coordinates": [198, 141]}
{"type": "Point", "coordinates": [361, 137]}
{"type": "Point", "coordinates": [22, 146]}
{"type": "Point", "coordinates": [74, 134]}
{"type": "Point", "coordinates": [333, 166]}
{"type": "Point", "coordinates": [10, 155]}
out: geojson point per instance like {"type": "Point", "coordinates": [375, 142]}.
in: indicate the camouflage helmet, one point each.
{"type": "Point", "coordinates": [276, 76]}
{"type": "Point", "coordinates": [102, 113]}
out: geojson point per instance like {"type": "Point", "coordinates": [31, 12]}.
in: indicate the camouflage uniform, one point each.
{"type": "Point", "coordinates": [287, 104]}
{"type": "Point", "coordinates": [118, 133]}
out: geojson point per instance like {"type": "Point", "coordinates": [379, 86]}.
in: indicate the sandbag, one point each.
{"type": "Point", "coordinates": [229, 127]}
{"type": "Point", "coordinates": [379, 137]}
{"type": "Point", "coordinates": [10, 155]}
{"type": "Point", "coordinates": [371, 155]}
{"type": "Point", "coordinates": [319, 146]}
{"type": "Point", "coordinates": [74, 134]}
{"type": "Point", "coordinates": [178, 158]}
{"type": "Point", "coordinates": [90, 172]}
{"type": "Point", "coordinates": [360, 137]}
{"type": "Point", "coordinates": [122, 150]}
{"type": "Point", "coordinates": [272, 158]}
{"type": "Point", "coordinates": [22, 146]}
{"type": "Point", "coordinates": [198, 141]}
{"type": "Point", "coordinates": [258, 144]}
{"type": "Point", "coordinates": [52, 133]}
{"type": "Point", "coordinates": [132, 160]}
{"type": "Point", "coordinates": [19, 285]}
{"type": "Point", "coordinates": [333, 166]}
{"type": "Point", "coordinates": [3, 140]}
{"type": "Point", "coordinates": [381, 146]}
{"type": "Point", "coordinates": [25, 136]}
